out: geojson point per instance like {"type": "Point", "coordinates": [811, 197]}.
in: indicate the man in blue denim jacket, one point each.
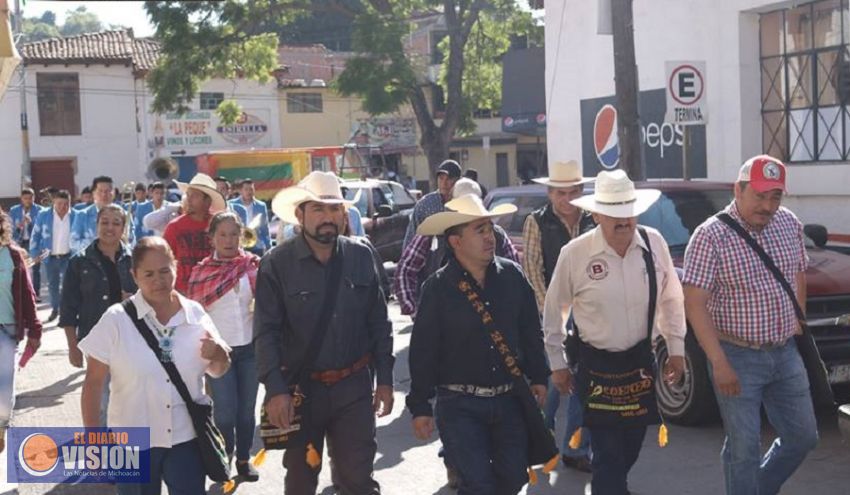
{"type": "Point", "coordinates": [23, 217]}
{"type": "Point", "coordinates": [51, 244]}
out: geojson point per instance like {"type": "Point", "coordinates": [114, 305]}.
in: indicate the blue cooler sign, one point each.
{"type": "Point", "coordinates": [78, 455]}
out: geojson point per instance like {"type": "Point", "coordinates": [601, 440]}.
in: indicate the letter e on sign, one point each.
{"type": "Point", "coordinates": [686, 101]}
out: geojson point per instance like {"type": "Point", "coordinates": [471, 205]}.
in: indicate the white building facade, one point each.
{"type": "Point", "coordinates": [88, 111]}
{"type": "Point", "coordinates": [777, 82]}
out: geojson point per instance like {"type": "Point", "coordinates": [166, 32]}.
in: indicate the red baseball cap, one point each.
{"type": "Point", "coordinates": [764, 173]}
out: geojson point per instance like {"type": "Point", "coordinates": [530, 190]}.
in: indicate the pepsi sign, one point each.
{"type": "Point", "coordinates": [662, 142]}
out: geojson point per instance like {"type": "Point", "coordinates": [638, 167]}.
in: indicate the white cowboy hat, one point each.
{"type": "Point", "coordinates": [464, 209]}
{"type": "Point", "coordinates": [204, 183]}
{"type": "Point", "coordinates": [316, 186]}
{"type": "Point", "coordinates": [564, 174]}
{"type": "Point", "coordinates": [615, 196]}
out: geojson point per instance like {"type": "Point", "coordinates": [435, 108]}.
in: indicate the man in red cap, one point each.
{"type": "Point", "coordinates": [744, 321]}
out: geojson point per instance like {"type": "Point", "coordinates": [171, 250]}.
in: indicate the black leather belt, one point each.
{"type": "Point", "coordinates": [480, 391]}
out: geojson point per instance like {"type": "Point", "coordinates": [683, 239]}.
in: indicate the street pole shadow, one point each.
{"type": "Point", "coordinates": [49, 395]}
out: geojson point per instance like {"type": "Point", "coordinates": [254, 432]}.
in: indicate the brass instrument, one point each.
{"type": "Point", "coordinates": [127, 192]}
{"type": "Point", "coordinates": [163, 170]}
{"type": "Point", "coordinates": [249, 233]}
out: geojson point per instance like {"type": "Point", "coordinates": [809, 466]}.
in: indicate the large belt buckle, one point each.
{"type": "Point", "coordinates": [486, 392]}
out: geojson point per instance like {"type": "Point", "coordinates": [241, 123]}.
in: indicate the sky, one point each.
{"type": "Point", "coordinates": [128, 13]}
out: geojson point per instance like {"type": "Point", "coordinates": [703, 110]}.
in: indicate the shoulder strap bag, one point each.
{"type": "Point", "coordinates": [275, 438]}
{"type": "Point", "coordinates": [210, 440]}
{"type": "Point", "coordinates": [821, 391]}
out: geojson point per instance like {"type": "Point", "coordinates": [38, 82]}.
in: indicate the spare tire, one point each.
{"type": "Point", "coordinates": [691, 401]}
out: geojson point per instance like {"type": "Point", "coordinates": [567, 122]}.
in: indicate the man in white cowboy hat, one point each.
{"type": "Point", "coordinates": [292, 283]}
{"type": "Point", "coordinates": [481, 423]}
{"type": "Point", "coordinates": [425, 254]}
{"type": "Point", "coordinates": [744, 321]}
{"type": "Point", "coordinates": [187, 234]}
{"type": "Point", "coordinates": [603, 278]}
{"type": "Point", "coordinates": [545, 232]}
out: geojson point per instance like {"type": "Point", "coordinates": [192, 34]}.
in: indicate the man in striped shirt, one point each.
{"type": "Point", "coordinates": [744, 322]}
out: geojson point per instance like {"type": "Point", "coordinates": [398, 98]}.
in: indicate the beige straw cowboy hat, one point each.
{"type": "Point", "coordinates": [204, 183]}
{"type": "Point", "coordinates": [463, 209]}
{"type": "Point", "coordinates": [563, 174]}
{"type": "Point", "coordinates": [322, 187]}
{"type": "Point", "coordinates": [615, 196]}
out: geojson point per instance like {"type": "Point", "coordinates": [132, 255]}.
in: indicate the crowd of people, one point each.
{"type": "Point", "coordinates": [573, 320]}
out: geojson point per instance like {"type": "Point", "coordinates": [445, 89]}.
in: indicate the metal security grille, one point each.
{"type": "Point", "coordinates": [805, 82]}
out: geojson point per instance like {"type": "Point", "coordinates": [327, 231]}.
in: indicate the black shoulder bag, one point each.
{"type": "Point", "coordinates": [822, 395]}
{"type": "Point", "coordinates": [210, 441]}
{"type": "Point", "coordinates": [618, 387]}
{"type": "Point", "coordinates": [275, 438]}
{"type": "Point", "coordinates": [541, 441]}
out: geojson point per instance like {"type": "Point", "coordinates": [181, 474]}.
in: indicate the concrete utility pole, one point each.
{"type": "Point", "coordinates": [26, 170]}
{"type": "Point", "coordinates": [626, 87]}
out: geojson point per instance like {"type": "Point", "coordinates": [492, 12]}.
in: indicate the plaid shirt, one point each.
{"type": "Point", "coordinates": [532, 256]}
{"type": "Point", "coordinates": [746, 300]}
{"type": "Point", "coordinates": [426, 206]}
{"type": "Point", "coordinates": [413, 260]}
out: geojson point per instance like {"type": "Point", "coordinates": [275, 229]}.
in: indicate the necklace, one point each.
{"type": "Point", "coordinates": [165, 336]}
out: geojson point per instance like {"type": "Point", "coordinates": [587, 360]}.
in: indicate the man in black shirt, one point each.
{"type": "Point", "coordinates": [292, 282]}
{"type": "Point", "coordinates": [451, 355]}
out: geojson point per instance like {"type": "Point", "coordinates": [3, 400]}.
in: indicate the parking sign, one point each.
{"type": "Point", "coordinates": [686, 90]}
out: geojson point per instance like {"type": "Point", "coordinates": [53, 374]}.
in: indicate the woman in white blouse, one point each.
{"type": "Point", "coordinates": [141, 392]}
{"type": "Point", "coordinates": [224, 284]}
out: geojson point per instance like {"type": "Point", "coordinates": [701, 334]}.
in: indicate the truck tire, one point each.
{"type": "Point", "coordinates": [691, 401]}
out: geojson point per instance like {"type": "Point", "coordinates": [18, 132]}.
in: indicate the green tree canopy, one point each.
{"type": "Point", "coordinates": [80, 21]}
{"type": "Point", "coordinates": [201, 40]}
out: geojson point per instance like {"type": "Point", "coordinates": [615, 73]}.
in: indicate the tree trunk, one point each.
{"type": "Point", "coordinates": [626, 85]}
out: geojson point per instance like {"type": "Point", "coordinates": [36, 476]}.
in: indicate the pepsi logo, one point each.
{"type": "Point", "coordinates": [541, 118]}
{"type": "Point", "coordinates": [509, 121]}
{"type": "Point", "coordinates": [605, 140]}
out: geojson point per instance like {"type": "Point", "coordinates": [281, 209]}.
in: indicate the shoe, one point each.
{"type": "Point", "coordinates": [453, 477]}
{"type": "Point", "coordinates": [53, 315]}
{"type": "Point", "coordinates": [247, 471]}
{"type": "Point", "coordinates": [578, 463]}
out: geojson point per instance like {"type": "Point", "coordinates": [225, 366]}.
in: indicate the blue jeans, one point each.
{"type": "Point", "coordinates": [615, 451]}
{"type": "Point", "coordinates": [180, 467]}
{"type": "Point", "coordinates": [55, 267]}
{"type": "Point", "coordinates": [574, 420]}
{"type": "Point", "coordinates": [234, 397]}
{"type": "Point", "coordinates": [486, 440]}
{"type": "Point", "coordinates": [775, 378]}
{"type": "Point", "coordinates": [8, 364]}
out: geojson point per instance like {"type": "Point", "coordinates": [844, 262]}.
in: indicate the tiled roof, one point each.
{"type": "Point", "coordinates": [105, 47]}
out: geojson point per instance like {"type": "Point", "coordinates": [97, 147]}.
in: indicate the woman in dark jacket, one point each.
{"type": "Point", "coordinates": [97, 277]}
{"type": "Point", "coordinates": [18, 318]}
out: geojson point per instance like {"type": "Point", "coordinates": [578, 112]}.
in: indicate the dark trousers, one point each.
{"type": "Point", "coordinates": [180, 467]}
{"type": "Point", "coordinates": [486, 440]}
{"type": "Point", "coordinates": [615, 451]}
{"type": "Point", "coordinates": [343, 414]}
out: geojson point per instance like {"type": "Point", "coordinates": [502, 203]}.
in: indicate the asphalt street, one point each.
{"type": "Point", "coordinates": [49, 395]}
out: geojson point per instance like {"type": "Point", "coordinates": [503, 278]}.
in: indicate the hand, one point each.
{"type": "Point", "coordinates": [33, 343]}
{"type": "Point", "coordinates": [539, 392]}
{"type": "Point", "coordinates": [563, 380]}
{"type": "Point", "coordinates": [423, 427]}
{"type": "Point", "coordinates": [210, 350]}
{"type": "Point", "coordinates": [383, 400]}
{"type": "Point", "coordinates": [674, 368]}
{"type": "Point", "coordinates": [75, 356]}
{"type": "Point", "coordinates": [280, 410]}
{"type": "Point", "coordinates": [725, 379]}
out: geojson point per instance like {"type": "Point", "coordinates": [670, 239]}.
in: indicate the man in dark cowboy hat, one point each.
{"type": "Point", "coordinates": [452, 354]}
{"type": "Point", "coordinates": [292, 282]}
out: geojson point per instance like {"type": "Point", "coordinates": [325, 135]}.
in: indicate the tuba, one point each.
{"type": "Point", "coordinates": [127, 192]}
{"type": "Point", "coordinates": [249, 233]}
{"type": "Point", "coordinates": [163, 170]}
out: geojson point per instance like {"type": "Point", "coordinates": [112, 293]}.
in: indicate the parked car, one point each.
{"type": "Point", "coordinates": [683, 206]}
{"type": "Point", "coordinates": [385, 207]}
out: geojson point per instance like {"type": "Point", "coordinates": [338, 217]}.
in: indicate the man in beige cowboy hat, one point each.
{"type": "Point", "coordinates": [480, 421]}
{"type": "Point", "coordinates": [293, 281]}
{"type": "Point", "coordinates": [546, 231]}
{"type": "Point", "coordinates": [603, 278]}
{"type": "Point", "coordinates": [187, 234]}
